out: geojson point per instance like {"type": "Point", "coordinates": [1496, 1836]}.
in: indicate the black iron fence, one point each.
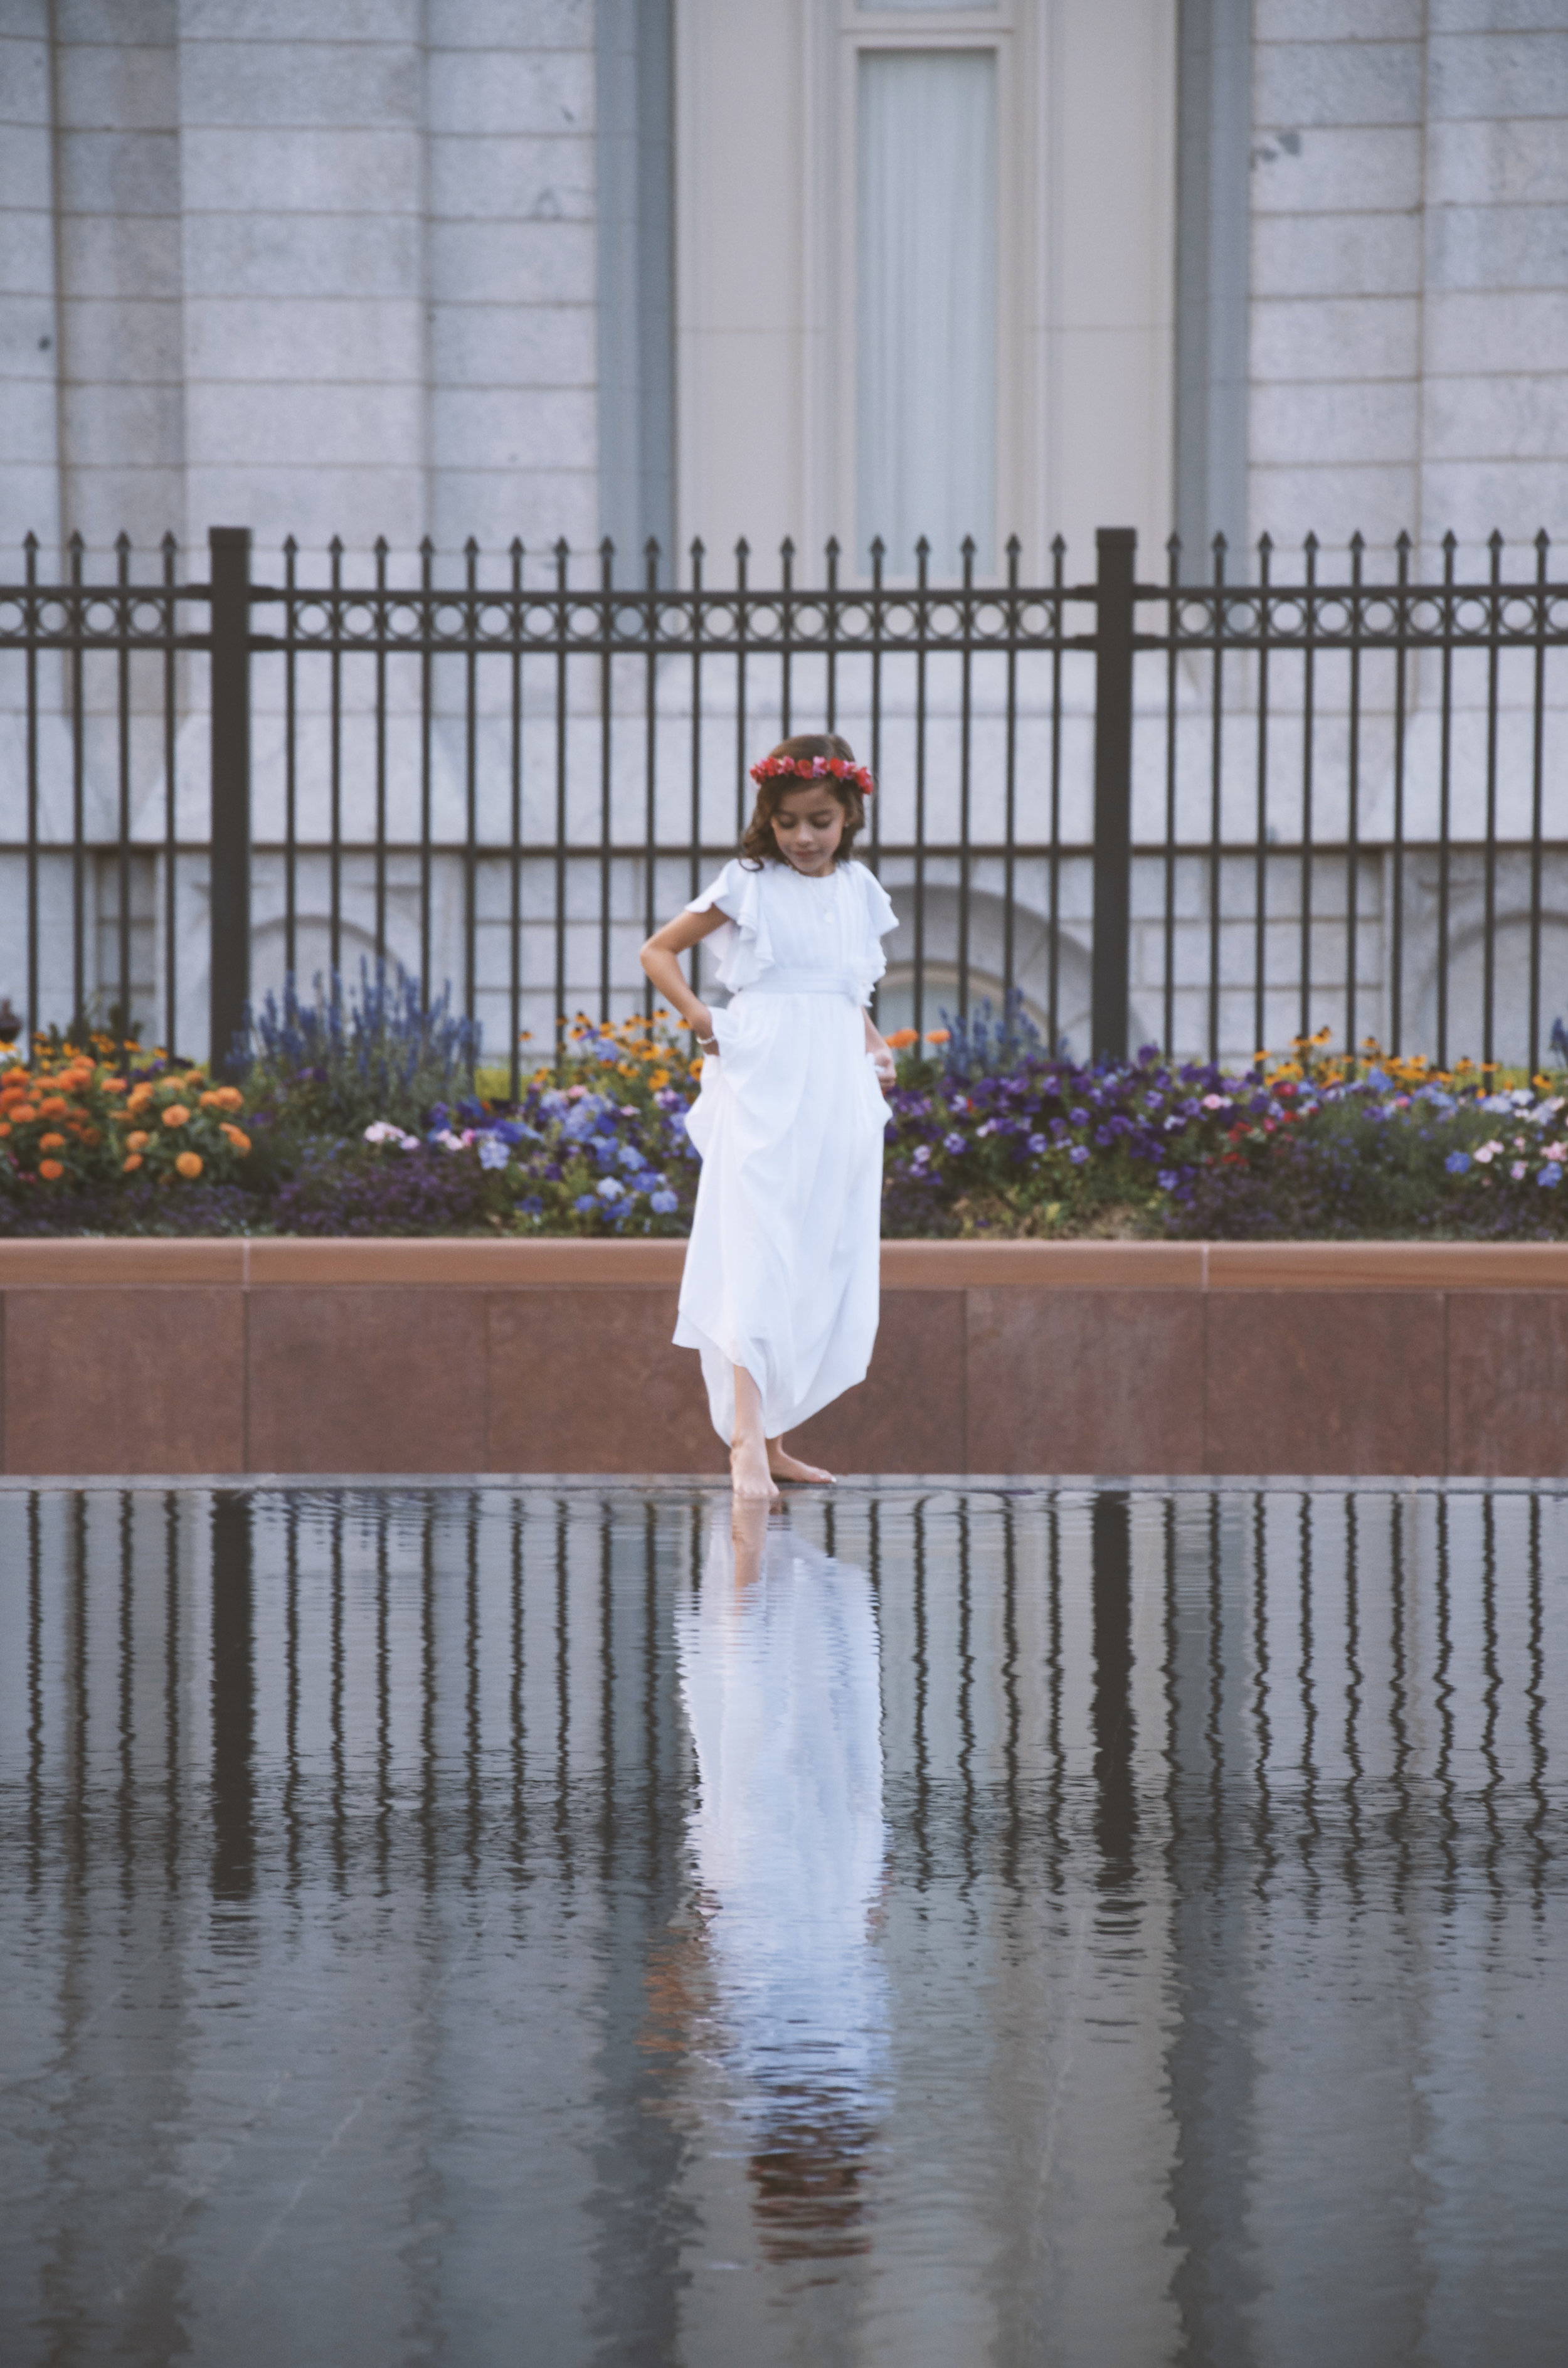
{"type": "Point", "coordinates": [1215, 814]}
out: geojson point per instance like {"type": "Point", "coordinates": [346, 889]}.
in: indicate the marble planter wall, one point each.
{"type": "Point", "coordinates": [1025, 1358]}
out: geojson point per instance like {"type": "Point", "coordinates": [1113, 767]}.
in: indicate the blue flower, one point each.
{"type": "Point", "coordinates": [1457, 1162]}
{"type": "Point", "coordinates": [1037, 1144]}
{"type": "Point", "coordinates": [664, 1204]}
{"type": "Point", "coordinates": [630, 1156]}
{"type": "Point", "coordinates": [1549, 1174]}
{"type": "Point", "coordinates": [585, 1201]}
{"type": "Point", "coordinates": [532, 1207]}
{"type": "Point", "coordinates": [1078, 1153]}
{"type": "Point", "coordinates": [1168, 1180]}
{"type": "Point", "coordinates": [1079, 1117]}
{"type": "Point", "coordinates": [493, 1152]}
{"type": "Point", "coordinates": [609, 1188]}
{"type": "Point", "coordinates": [955, 1144]}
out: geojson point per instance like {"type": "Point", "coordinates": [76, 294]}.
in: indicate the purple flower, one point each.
{"type": "Point", "coordinates": [664, 1204]}
{"type": "Point", "coordinates": [1037, 1144]}
{"type": "Point", "coordinates": [1457, 1162]}
{"type": "Point", "coordinates": [585, 1201]}
{"type": "Point", "coordinates": [1078, 1153]}
{"type": "Point", "coordinates": [493, 1152]}
{"type": "Point", "coordinates": [1168, 1180]}
{"type": "Point", "coordinates": [1549, 1174]}
{"type": "Point", "coordinates": [955, 1144]}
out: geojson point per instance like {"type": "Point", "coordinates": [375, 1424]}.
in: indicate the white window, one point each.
{"type": "Point", "coordinates": [925, 151]}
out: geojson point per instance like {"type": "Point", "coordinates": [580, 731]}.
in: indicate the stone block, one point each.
{"type": "Point", "coordinates": [513, 345]}
{"type": "Point", "coordinates": [1508, 76]}
{"type": "Point", "coordinates": [116, 86]}
{"type": "Point", "coordinates": [29, 422]}
{"type": "Point", "coordinates": [231, 424]}
{"type": "Point", "coordinates": [1329, 337]}
{"type": "Point", "coordinates": [538, 505]}
{"type": "Point", "coordinates": [1495, 416]}
{"type": "Point", "coordinates": [24, 66]}
{"type": "Point", "coordinates": [1085, 1380]}
{"type": "Point", "coordinates": [1366, 169]}
{"type": "Point", "coordinates": [284, 171]}
{"type": "Point", "coordinates": [1326, 1381]}
{"type": "Point", "coordinates": [318, 255]}
{"type": "Point", "coordinates": [590, 1381]}
{"type": "Point", "coordinates": [1300, 83]}
{"type": "Point", "coordinates": [124, 1380]}
{"type": "Point", "coordinates": [120, 172]}
{"type": "Point", "coordinates": [1523, 162]}
{"type": "Point", "coordinates": [1472, 497]}
{"type": "Point", "coordinates": [391, 21]}
{"type": "Point", "coordinates": [304, 341]}
{"type": "Point", "coordinates": [476, 177]}
{"type": "Point", "coordinates": [366, 1380]}
{"type": "Point", "coordinates": [120, 255]}
{"type": "Point", "coordinates": [1337, 20]}
{"type": "Point", "coordinates": [27, 340]}
{"type": "Point", "coordinates": [26, 256]}
{"type": "Point", "coordinates": [501, 25]}
{"type": "Point", "coordinates": [338, 85]}
{"type": "Point", "coordinates": [1512, 329]}
{"type": "Point", "coordinates": [510, 91]}
{"type": "Point", "coordinates": [25, 171]}
{"type": "Point", "coordinates": [1365, 420]}
{"type": "Point", "coordinates": [1336, 254]}
{"type": "Point", "coordinates": [113, 427]}
{"type": "Point", "coordinates": [106, 339]}
{"type": "Point", "coordinates": [1495, 246]}
{"type": "Point", "coordinates": [30, 504]}
{"type": "Point", "coordinates": [140, 23]}
{"type": "Point", "coordinates": [1378, 501]}
{"type": "Point", "coordinates": [513, 263]}
{"type": "Point", "coordinates": [536, 427]}
{"type": "Point", "coordinates": [1507, 1384]}
{"type": "Point", "coordinates": [313, 502]}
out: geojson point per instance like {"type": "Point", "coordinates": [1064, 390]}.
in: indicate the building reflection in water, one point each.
{"type": "Point", "coordinates": [779, 1672]}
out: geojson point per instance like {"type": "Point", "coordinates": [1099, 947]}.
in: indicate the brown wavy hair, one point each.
{"type": "Point", "coordinates": [759, 845]}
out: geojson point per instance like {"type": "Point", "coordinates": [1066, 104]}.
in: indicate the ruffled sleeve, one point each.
{"type": "Point", "coordinates": [879, 920]}
{"type": "Point", "coordinates": [742, 946]}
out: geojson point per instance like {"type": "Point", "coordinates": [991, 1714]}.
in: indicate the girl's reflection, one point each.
{"type": "Point", "coordinates": [779, 1675]}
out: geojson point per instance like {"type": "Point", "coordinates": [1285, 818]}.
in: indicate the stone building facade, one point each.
{"type": "Point", "coordinates": [548, 270]}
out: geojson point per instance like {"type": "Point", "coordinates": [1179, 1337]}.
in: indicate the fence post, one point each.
{"type": "Point", "coordinates": [229, 560]}
{"type": "Point", "coordinates": [1116, 552]}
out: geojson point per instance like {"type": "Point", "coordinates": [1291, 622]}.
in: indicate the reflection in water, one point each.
{"type": "Point", "coordinates": [781, 1681]}
{"type": "Point", "coordinates": [1036, 1927]}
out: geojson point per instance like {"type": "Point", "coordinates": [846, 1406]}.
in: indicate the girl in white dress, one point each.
{"type": "Point", "coordinates": [781, 1283]}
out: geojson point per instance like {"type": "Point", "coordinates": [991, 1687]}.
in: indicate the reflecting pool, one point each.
{"type": "Point", "coordinates": [940, 1926]}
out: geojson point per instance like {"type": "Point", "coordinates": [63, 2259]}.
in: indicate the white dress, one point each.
{"type": "Point", "coordinates": [782, 1270]}
{"type": "Point", "coordinates": [781, 1684]}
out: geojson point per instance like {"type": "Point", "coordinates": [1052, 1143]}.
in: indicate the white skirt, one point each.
{"type": "Point", "coordinates": [783, 1268]}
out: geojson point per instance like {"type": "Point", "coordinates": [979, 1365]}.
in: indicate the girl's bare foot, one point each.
{"type": "Point", "coordinates": [789, 1467]}
{"type": "Point", "coordinates": [749, 1476]}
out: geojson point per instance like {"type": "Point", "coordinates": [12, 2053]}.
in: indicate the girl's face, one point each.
{"type": "Point", "coordinates": [808, 824]}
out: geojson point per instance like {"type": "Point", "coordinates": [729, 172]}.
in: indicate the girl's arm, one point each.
{"type": "Point", "coordinates": [881, 1054]}
{"type": "Point", "coordinates": [661, 959]}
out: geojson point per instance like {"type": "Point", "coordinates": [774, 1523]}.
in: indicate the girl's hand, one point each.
{"type": "Point", "coordinates": [884, 1064]}
{"type": "Point", "coordinates": [702, 1024]}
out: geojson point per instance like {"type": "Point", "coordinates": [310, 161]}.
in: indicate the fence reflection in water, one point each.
{"type": "Point", "coordinates": [1190, 1884]}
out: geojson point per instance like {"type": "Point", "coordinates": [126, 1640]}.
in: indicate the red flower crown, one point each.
{"type": "Point", "coordinates": [816, 768]}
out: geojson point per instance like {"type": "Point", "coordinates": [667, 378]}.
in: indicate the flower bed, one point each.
{"type": "Point", "coordinates": [354, 1118]}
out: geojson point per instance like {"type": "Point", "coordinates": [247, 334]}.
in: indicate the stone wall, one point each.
{"type": "Point", "coordinates": [1410, 269]}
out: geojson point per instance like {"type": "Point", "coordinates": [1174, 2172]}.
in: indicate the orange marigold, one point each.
{"type": "Point", "coordinates": [115, 1086]}
{"type": "Point", "coordinates": [189, 1163]}
{"type": "Point", "coordinates": [4, 1126]}
{"type": "Point", "coordinates": [129, 1166]}
{"type": "Point", "coordinates": [23, 1113]}
{"type": "Point", "coordinates": [238, 1137]}
{"type": "Point", "coordinates": [50, 1169]}
{"type": "Point", "coordinates": [177, 1114]}
{"type": "Point", "coordinates": [901, 1037]}
{"type": "Point", "coordinates": [139, 1140]}
{"type": "Point", "coordinates": [52, 1142]}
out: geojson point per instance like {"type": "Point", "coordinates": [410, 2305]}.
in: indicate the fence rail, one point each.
{"type": "Point", "coordinates": [1217, 813]}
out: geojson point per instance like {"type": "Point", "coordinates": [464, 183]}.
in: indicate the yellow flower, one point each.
{"type": "Point", "coordinates": [189, 1163]}
{"type": "Point", "coordinates": [176, 1115]}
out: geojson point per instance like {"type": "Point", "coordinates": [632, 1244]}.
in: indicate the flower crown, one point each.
{"type": "Point", "coordinates": [816, 768]}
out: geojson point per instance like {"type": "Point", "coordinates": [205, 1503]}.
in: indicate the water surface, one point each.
{"type": "Point", "coordinates": [490, 1925]}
